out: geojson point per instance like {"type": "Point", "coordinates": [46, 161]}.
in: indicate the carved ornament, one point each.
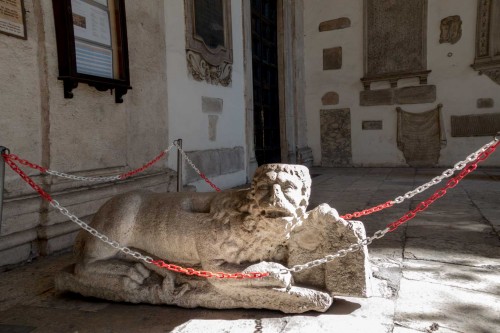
{"type": "Point", "coordinates": [451, 29]}
{"type": "Point", "coordinates": [487, 60]}
{"type": "Point", "coordinates": [201, 70]}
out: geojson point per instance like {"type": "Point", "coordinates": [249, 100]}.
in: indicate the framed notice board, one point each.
{"type": "Point", "coordinates": [92, 45]}
{"type": "Point", "coordinates": [13, 18]}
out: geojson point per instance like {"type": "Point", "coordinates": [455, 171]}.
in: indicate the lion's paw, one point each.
{"type": "Point", "coordinates": [138, 273]}
{"type": "Point", "coordinates": [278, 277]}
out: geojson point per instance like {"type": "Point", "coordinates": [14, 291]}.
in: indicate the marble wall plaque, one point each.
{"type": "Point", "coordinates": [371, 125]}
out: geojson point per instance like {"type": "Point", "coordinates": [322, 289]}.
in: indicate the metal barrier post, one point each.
{"type": "Point", "coordinates": [2, 179]}
{"type": "Point", "coordinates": [179, 165]}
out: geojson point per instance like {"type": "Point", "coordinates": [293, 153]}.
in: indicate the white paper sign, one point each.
{"type": "Point", "coordinates": [91, 23]}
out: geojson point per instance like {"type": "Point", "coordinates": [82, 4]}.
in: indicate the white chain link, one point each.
{"type": "Point", "coordinates": [92, 179]}
{"type": "Point", "coordinates": [184, 155]}
{"type": "Point", "coordinates": [97, 234]}
{"type": "Point", "coordinates": [82, 178]}
{"type": "Point", "coordinates": [339, 254]}
{"type": "Point", "coordinates": [446, 174]}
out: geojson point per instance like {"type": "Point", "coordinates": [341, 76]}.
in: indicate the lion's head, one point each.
{"type": "Point", "coordinates": [281, 190]}
{"type": "Point", "coordinates": [258, 221]}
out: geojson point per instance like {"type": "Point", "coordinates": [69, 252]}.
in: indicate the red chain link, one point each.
{"type": "Point", "coordinates": [202, 175]}
{"type": "Point", "coordinates": [9, 159]}
{"type": "Point", "coordinates": [144, 167]}
{"type": "Point", "coordinates": [207, 274]}
{"type": "Point", "coordinates": [441, 192]}
{"type": "Point", "coordinates": [368, 210]}
{"type": "Point", "coordinates": [26, 163]}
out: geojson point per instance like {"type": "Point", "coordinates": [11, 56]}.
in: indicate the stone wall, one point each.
{"type": "Point", "coordinates": [87, 135]}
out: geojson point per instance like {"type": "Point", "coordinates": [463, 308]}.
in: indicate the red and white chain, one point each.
{"type": "Point", "coordinates": [479, 155]}
{"type": "Point", "coordinates": [122, 176]}
{"type": "Point", "coordinates": [191, 164]}
{"type": "Point", "coordinates": [446, 174]}
{"type": "Point", "coordinates": [108, 178]}
{"type": "Point", "coordinates": [99, 235]}
{"type": "Point", "coordinates": [148, 259]}
{"type": "Point", "coordinates": [339, 254]}
{"type": "Point", "coordinates": [473, 159]}
{"type": "Point", "coordinates": [436, 180]}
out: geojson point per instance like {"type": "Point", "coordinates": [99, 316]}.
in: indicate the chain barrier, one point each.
{"type": "Point", "coordinates": [405, 218]}
{"type": "Point", "coordinates": [122, 176]}
{"type": "Point", "coordinates": [436, 180]}
{"type": "Point", "coordinates": [191, 164]}
{"type": "Point", "coordinates": [477, 157]}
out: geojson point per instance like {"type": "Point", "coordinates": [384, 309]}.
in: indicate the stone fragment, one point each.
{"type": "Point", "coordinates": [340, 23]}
{"type": "Point", "coordinates": [332, 58]}
{"type": "Point", "coordinates": [211, 105]}
{"type": "Point", "coordinates": [215, 162]}
{"type": "Point", "coordinates": [330, 98]}
{"type": "Point", "coordinates": [451, 29]}
{"type": "Point", "coordinates": [212, 127]}
{"type": "Point", "coordinates": [376, 97]}
{"type": "Point", "coordinates": [415, 94]}
{"type": "Point", "coordinates": [336, 137]}
{"type": "Point", "coordinates": [483, 103]}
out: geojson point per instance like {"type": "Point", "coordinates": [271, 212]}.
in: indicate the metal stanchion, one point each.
{"type": "Point", "coordinates": [179, 166]}
{"type": "Point", "coordinates": [2, 179]}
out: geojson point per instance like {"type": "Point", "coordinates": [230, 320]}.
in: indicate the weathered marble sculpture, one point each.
{"type": "Point", "coordinates": [258, 229]}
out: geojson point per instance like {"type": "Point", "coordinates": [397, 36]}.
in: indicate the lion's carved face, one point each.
{"type": "Point", "coordinates": [279, 191]}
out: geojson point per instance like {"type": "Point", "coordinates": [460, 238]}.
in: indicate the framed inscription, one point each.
{"type": "Point", "coordinates": [12, 18]}
{"type": "Point", "coordinates": [395, 43]}
{"type": "Point", "coordinates": [209, 50]}
{"type": "Point", "coordinates": [92, 45]}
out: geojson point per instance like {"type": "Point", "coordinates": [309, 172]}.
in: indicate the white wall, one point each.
{"type": "Point", "coordinates": [458, 85]}
{"type": "Point", "coordinates": [185, 116]}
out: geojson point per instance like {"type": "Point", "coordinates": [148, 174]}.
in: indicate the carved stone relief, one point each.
{"type": "Point", "coordinates": [209, 49]}
{"type": "Point", "coordinates": [451, 29]}
{"type": "Point", "coordinates": [475, 125]}
{"type": "Point", "coordinates": [487, 59]}
{"type": "Point", "coordinates": [336, 137]}
{"type": "Point", "coordinates": [201, 70]}
{"type": "Point", "coordinates": [395, 41]}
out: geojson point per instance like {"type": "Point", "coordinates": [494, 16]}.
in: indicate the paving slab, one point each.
{"type": "Point", "coordinates": [437, 273]}
{"type": "Point", "coordinates": [420, 304]}
{"type": "Point", "coordinates": [454, 251]}
{"type": "Point", "coordinates": [485, 280]}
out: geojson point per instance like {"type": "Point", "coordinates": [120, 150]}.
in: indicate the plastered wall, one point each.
{"type": "Point", "coordinates": [186, 118]}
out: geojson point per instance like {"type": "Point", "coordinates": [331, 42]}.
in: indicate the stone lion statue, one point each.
{"type": "Point", "coordinates": [260, 229]}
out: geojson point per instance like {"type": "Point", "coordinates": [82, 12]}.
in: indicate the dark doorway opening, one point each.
{"type": "Point", "coordinates": [265, 81]}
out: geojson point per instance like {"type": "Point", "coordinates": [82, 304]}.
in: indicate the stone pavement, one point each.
{"type": "Point", "coordinates": [439, 273]}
